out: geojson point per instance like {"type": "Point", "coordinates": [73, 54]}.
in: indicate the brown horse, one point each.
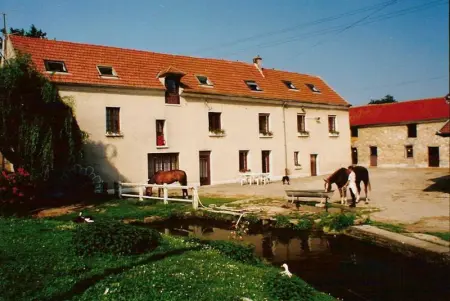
{"type": "Point", "coordinates": [340, 177]}
{"type": "Point", "coordinates": [168, 177]}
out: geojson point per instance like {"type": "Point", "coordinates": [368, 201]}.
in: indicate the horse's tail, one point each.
{"type": "Point", "coordinates": [184, 179]}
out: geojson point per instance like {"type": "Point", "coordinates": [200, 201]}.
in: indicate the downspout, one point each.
{"type": "Point", "coordinates": [285, 140]}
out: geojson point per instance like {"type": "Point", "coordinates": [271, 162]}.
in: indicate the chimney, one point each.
{"type": "Point", "coordinates": [257, 61]}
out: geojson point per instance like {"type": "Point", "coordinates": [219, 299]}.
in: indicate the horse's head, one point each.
{"type": "Point", "coordinates": [327, 184]}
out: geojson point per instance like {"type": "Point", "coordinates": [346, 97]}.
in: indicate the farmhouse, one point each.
{"type": "Point", "coordinates": [213, 118]}
{"type": "Point", "coordinates": [404, 134]}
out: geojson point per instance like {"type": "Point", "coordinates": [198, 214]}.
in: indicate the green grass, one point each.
{"type": "Point", "coordinates": [441, 235]}
{"type": "Point", "coordinates": [217, 201]}
{"type": "Point", "coordinates": [397, 228]}
{"type": "Point", "coordinates": [38, 262]}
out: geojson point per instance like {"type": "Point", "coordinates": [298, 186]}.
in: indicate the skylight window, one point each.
{"type": "Point", "coordinates": [106, 71]}
{"type": "Point", "coordinates": [313, 88]}
{"type": "Point", "coordinates": [252, 85]}
{"type": "Point", "coordinates": [204, 80]}
{"type": "Point", "coordinates": [290, 85]}
{"type": "Point", "coordinates": [55, 66]}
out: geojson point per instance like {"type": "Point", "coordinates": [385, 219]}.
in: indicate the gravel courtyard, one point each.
{"type": "Point", "coordinates": [416, 197]}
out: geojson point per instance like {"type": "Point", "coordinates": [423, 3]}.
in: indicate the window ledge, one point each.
{"type": "Point", "coordinates": [109, 76]}
{"type": "Point", "coordinates": [162, 146]}
{"type": "Point", "coordinates": [302, 134]}
{"type": "Point", "coordinates": [265, 136]}
{"type": "Point", "coordinates": [206, 86]}
{"type": "Point", "coordinates": [333, 134]}
{"type": "Point", "coordinates": [216, 135]}
{"type": "Point", "coordinates": [173, 104]}
{"type": "Point", "coordinates": [298, 167]}
{"type": "Point", "coordinates": [57, 72]}
{"type": "Point", "coordinates": [114, 134]}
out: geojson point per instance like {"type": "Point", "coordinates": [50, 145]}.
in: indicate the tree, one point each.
{"type": "Point", "coordinates": [38, 130]}
{"type": "Point", "coordinates": [387, 99]}
{"type": "Point", "coordinates": [33, 32]}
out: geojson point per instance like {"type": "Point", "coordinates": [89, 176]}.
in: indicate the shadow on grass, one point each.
{"type": "Point", "coordinates": [82, 285]}
{"type": "Point", "coordinates": [441, 184]}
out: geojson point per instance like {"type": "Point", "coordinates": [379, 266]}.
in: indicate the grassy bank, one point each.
{"type": "Point", "coordinates": [38, 262]}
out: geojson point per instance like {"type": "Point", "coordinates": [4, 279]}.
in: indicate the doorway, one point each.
{"type": "Point", "coordinates": [373, 156]}
{"type": "Point", "coordinates": [433, 156]}
{"type": "Point", "coordinates": [205, 168]}
{"type": "Point", "coordinates": [354, 155]}
{"type": "Point", "coordinates": [265, 156]}
{"type": "Point", "coordinates": [313, 159]}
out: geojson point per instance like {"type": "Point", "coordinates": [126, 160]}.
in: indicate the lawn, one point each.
{"type": "Point", "coordinates": [38, 262]}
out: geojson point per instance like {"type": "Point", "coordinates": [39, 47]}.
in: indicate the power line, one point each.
{"type": "Point", "coordinates": [291, 28]}
{"type": "Point", "coordinates": [334, 29]}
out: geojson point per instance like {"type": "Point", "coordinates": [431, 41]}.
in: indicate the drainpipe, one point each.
{"type": "Point", "coordinates": [285, 142]}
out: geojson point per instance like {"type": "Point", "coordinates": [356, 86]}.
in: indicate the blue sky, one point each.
{"type": "Point", "coordinates": [363, 49]}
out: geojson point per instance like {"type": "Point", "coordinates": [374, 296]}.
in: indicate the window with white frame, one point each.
{"type": "Point", "coordinates": [264, 125]}
{"type": "Point", "coordinates": [112, 120]}
{"type": "Point", "coordinates": [301, 124]}
{"type": "Point", "coordinates": [296, 162]}
{"type": "Point", "coordinates": [252, 85]}
{"type": "Point", "coordinates": [243, 165]}
{"type": "Point", "coordinates": [332, 129]}
{"type": "Point", "coordinates": [313, 88]}
{"type": "Point", "coordinates": [204, 80]}
{"type": "Point", "coordinates": [106, 71]}
{"type": "Point", "coordinates": [160, 133]}
{"type": "Point", "coordinates": [214, 121]}
{"type": "Point", "coordinates": [55, 66]}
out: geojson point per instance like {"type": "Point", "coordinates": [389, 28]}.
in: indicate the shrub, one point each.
{"type": "Point", "coordinates": [16, 187]}
{"type": "Point", "coordinates": [304, 223]}
{"type": "Point", "coordinates": [282, 221]}
{"type": "Point", "coordinates": [338, 221]}
{"type": "Point", "coordinates": [281, 287]}
{"type": "Point", "coordinates": [115, 238]}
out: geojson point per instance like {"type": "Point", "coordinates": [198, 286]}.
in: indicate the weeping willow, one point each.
{"type": "Point", "coordinates": [38, 130]}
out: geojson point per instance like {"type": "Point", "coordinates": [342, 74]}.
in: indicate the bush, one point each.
{"type": "Point", "coordinates": [282, 221]}
{"type": "Point", "coordinates": [16, 187]}
{"type": "Point", "coordinates": [115, 238]}
{"type": "Point", "coordinates": [304, 223]}
{"type": "Point", "coordinates": [338, 221]}
{"type": "Point", "coordinates": [281, 287]}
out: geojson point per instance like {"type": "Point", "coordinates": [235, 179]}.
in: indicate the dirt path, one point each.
{"type": "Point", "coordinates": [418, 198]}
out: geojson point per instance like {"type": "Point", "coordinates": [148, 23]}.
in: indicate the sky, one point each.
{"type": "Point", "coordinates": [364, 49]}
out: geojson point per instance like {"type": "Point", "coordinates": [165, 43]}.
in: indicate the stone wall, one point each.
{"type": "Point", "coordinates": [391, 140]}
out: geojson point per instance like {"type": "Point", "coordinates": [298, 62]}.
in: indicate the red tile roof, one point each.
{"type": "Point", "coordinates": [400, 112]}
{"type": "Point", "coordinates": [445, 131]}
{"type": "Point", "coordinates": [140, 69]}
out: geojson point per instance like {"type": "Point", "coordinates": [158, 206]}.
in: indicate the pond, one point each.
{"type": "Point", "coordinates": [342, 266]}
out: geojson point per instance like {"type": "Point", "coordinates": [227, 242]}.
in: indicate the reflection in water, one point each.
{"type": "Point", "coordinates": [342, 266]}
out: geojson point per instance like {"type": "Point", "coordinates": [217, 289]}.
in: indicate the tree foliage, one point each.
{"type": "Point", "coordinates": [387, 99]}
{"type": "Point", "coordinates": [38, 131]}
{"type": "Point", "coordinates": [33, 32]}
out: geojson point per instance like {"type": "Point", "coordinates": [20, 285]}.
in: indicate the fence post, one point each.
{"type": "Point", "coordinates": [165, 194]}
{"type": "Point", "coordinates": [117, 190]}
{"type": "Point", "coordinates": [194, 198]}
{"type": "Point", "coordinates": [141, 193]}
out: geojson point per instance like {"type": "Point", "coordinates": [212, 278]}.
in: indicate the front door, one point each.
{"type": "Point", "coordinates": [373, 156]}
{"type": "Point", "coordinates": [354, 155]}
{"type": "Point", "coordinates": [433, 156]}
{"type": "Point", "coordinates": [265, 161]}
{"type": "Point", "coordinates": [205, 169]}
{"type": "Point", "coordinates": [313, 165]}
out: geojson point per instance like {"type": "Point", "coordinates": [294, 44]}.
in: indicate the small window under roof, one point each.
{"type": "Point", "coordinates": [55, 66]}
{"type": "Point", "coordinates": [253, 85]}
{"type": "Point", "coordinates": [313, 88]}
{"type": "Point", "coordinates": [106, 71]}
{"type": "Point", "coordinates": [290, 85]}
{"type": "Point", "coordinates": [204, 80]}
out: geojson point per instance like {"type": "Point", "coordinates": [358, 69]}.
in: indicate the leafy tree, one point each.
{"type": "Point", "coordinates": [33, 32]}
{"type": "Point", "coordinates": [387, 99]}
{"type": "Point", "coordinates": [38, 130]}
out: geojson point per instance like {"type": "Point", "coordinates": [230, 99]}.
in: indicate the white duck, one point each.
{"type": "Point", "coordinates": [286, 270]}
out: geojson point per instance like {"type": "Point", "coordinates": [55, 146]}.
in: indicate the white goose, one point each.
{"type": "Point", "coordinates": [286, 270]}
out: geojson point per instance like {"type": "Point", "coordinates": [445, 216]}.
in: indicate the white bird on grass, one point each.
{"type": "Point", "coordinates": [286, 271]}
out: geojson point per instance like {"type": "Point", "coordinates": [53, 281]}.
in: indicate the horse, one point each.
{"type": "Point", "coordinates": [340, 178]}
{"type": "Point", "coordinates": [168, 177]}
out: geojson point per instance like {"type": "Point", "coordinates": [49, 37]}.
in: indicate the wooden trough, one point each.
{"type": "Point", "coordinates": [295, 194]}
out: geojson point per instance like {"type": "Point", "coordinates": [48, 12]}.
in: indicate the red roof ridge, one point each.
{"type": "Point", "coordinates": [400, 101]}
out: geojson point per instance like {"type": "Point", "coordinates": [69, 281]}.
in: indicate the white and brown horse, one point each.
{"type": "Point", "coordinates": [340, 178]}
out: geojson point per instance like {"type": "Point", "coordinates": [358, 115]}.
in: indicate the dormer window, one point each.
{"type": "Point", "coordinates": [290, 85]}
{"type": "Point", "coordinates": [172, 84]}
{"type": "Point", "coordinates": [252, 85]}
{"type": "Point", "coordinates": [204, 80]}
{"type": "Point", "coordinates": [313, 88]}
{"type": "Point", "coordinates": [106, 71]}
{"type": "Point", "coordinates": [55, 66]}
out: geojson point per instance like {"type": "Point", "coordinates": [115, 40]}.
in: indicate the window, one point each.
{"type": "Point", "coordinates": [214, 123]}
{"type": "Point", "coordinates": [160, 136]}
{"type": "Point", "coordinates": [296, 159]}
{"type": "Point", "coordinates": [409, 151]}
{"type": "Point", "coordinates": [112, 120]}
{"type": "Point", "coordinates": [204, 80]}
{"type": "Point", "coordinates": [332, 124]}
{"type": "Point", "coordinates": [157, 162]}
{"type": "Point", "coordinates": [265, 161]}
{"type": "Point", "coordinates": [172, 90]}
{"type": "Point", "coordinates": [412, 130]}
{"type": "Point", "coordinates": [253, 85]}
{"type": "Point", "coordinates": [243, 167]}
{"type": "Point", "coordinates": [301, 125]}
{"type": "Point", "coordinates": [106, 71]}
{"type": "Point", "coordinates": [313, 88]}
{"type": "Point", "coordinates": [264, 127]}
{"type": "Point", "coordinates": [290, 85]}
{"type": "Point", "coordinates": [55, 66]}
{"type": "Point", "coordinates": [354, 131]}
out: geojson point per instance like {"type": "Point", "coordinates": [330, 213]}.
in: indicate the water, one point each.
{"type": "Point", "coordinates": [342, 266]}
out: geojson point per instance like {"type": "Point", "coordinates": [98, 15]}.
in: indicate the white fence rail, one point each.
{"type": "Point", "coordinates": [141, 188]}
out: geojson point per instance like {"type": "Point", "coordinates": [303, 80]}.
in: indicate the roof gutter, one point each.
{"type": "Point", "coordinates": [286, 171]}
